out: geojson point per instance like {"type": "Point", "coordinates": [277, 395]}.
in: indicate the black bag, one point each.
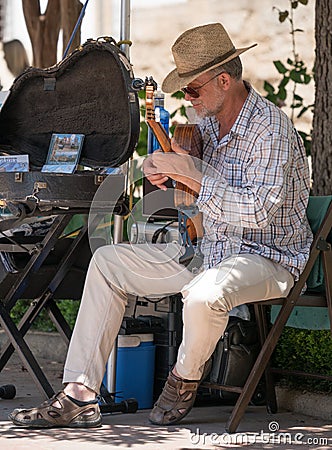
{"type": "Point", "coordinates": [233, 358]}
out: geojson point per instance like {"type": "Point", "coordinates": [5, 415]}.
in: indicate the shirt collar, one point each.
{"type": "Point", "coordinates": [241, 123]}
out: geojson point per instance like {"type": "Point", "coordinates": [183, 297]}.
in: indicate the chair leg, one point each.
{"type": "Point", "coordinates": [23, 327]}
{"type": "Point", "coordinates": [59, 321]}
{"type": "Point", "coordinates": [260, 365]}
{"type": "Point", "coordinates": [327, 263]}
{"type": "Point", "coordinates": [263, 327]}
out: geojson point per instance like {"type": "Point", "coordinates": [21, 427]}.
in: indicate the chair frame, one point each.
{"type": "Point", "coordinates": [270, 335]}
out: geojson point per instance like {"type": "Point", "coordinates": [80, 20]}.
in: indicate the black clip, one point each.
{"type": "Point", "coordinates": [192, 257]}
{"type": "Point", "coordinates": [323, 245]}
{"type": "Point", "coordinates": [49, 84]}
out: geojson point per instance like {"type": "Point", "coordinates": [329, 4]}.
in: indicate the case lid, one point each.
{"type": "Point", "coordinates": [89, 92]}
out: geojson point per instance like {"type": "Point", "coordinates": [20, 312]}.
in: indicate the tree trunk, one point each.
{"type": "Point", "coordinates": [2, 18]}
{"type": "Point", "coordinates": [322, 120]}
{"type": "Point", "coordinates": [44, 28]}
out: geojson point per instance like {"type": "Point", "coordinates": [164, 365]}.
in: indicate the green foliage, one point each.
{"type": "Point", "coordinates": [69, 309]}
{"type": "Point", "coordinates": [308, 351]}
{"type": "Point", "coordinates": [293, 73]}
{"type": "Point", "coordinates": [143, 137]}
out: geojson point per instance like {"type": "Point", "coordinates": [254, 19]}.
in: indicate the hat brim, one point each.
{"type": "Point", "coordinates": [173, 82]}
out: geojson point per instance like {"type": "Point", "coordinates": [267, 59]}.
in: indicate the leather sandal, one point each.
{"type": "Point", "coordinates": [172, 406]}
{"type": "Point", "coordinates": [69, 414]}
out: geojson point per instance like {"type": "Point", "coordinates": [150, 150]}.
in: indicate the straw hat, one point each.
{"type": "Point", "coordinates": [198, 50]}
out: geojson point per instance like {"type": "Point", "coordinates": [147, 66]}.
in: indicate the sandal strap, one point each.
{"type": "Point", "coordinates": [176, 399]}
{"type": "Point", "coordinates": [182, 385]}
{"type": "Point", "coordinates": [67, 413]}
{"type": "Point", "coordinates": [171, 397]}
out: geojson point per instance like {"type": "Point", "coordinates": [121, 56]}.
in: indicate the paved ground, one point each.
{"type": "Point", "coordinates": [202, 429]}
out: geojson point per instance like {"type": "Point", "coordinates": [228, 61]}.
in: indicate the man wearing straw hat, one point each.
{"type": "Point", "coordinates": [252, 189]}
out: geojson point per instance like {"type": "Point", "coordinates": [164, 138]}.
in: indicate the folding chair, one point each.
{"type": "Point", "coordinates": [320, 261]}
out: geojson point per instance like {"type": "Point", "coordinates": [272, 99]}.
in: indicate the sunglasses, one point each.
{"type": "Point", "coordinates": [193, 92]}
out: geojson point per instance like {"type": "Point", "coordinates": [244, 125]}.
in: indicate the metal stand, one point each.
{"type": "Point", "coordinates": [118, 220]}
{"type": "Point", "coordinates": [43, 299]}
{"type": "Point", "coordinates": [107, 403]}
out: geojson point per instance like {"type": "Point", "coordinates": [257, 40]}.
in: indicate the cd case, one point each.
{"type": "Point", "coordinates": [14, 163]}
{"type": "Point", "coordinates": [64, 153]}
{"type": "Point", "coordinates": [3, 97]}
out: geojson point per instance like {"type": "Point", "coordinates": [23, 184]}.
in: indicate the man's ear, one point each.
{"type": "Point", "coordinates": [225, 80]}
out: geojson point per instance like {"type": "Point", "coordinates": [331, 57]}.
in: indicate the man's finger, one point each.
{"type": "Point", "coordinates": [177, 148]}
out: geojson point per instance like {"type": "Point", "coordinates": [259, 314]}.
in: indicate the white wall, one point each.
{"type": "Point", "coordinates": [155, 24]}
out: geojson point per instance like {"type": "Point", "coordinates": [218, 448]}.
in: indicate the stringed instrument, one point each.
{"type": "Point", "coordinates": [188, 136]}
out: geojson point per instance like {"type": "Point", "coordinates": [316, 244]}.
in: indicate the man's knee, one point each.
{"type": "Point", "coordinates": [105, 263]}
{"type": "Point", "coordinates": [197, 304]}
{"type": "Point", "coordinates": [106, 251]}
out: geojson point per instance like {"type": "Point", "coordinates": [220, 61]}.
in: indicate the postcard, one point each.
{"type": "Point", "coordinates": [14, 163]}
{"type": "Point", "coordinates": [3, 97]}
{"type": "Point", "coordinates": [64, 153]}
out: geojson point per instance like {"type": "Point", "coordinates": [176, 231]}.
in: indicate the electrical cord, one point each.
{"type": "Point", "coordinates": [157, 300]}
{"type": "Point", "coordinates": [162, 231]}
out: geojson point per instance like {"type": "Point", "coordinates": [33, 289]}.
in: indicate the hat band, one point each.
{"type": "Point", "coordinates": [210, 64]}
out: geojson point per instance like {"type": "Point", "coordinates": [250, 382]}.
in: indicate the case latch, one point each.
{"type": "Point", "coordinates": [99, 179]}
{"type": "Point", "coordinates": [18, 177]}
{"type": "Point", "coordinates": [39, 185]}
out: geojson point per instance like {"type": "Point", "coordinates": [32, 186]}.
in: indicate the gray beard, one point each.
{"type": "Point", "coordinates": [210, 113]}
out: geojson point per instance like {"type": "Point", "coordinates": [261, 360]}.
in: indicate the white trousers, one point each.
{"type": "Point", "coordinates": [152, 270]}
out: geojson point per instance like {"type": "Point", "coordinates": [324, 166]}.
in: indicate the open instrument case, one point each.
{"type": "Point", "coordinates": [90, 92]}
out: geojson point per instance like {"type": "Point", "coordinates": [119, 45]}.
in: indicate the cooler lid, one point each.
{"type": "Point", "coordinates": [133, 340]}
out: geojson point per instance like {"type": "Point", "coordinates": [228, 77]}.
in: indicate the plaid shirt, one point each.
{"type": "Point", "coordinates": [255, 188]}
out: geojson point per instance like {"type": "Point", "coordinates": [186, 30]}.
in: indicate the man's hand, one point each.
{"type": "Point", "coordinates": [178, 165]}
{"type": "Point", "coordinates": [151, 172]}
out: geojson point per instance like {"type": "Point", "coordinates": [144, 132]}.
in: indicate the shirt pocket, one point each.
{"type": "Point", "coordinates": [233, 171]}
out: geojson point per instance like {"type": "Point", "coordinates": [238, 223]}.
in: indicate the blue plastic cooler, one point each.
{"type": "Point", "coordinates": [134, 369]}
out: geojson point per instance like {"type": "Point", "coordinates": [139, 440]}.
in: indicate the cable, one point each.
{"type": "Point", "coordinates": [156, 301]}
{"type": "Point", "coordinates": [79, 20]}
{"type": "Point", "coordinates": [161, 231]}
{"type": "Point", "coordinates": [135, 307]}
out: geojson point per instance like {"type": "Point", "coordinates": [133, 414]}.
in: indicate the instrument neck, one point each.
{"type": "Point", "coordinates": [161, 135]}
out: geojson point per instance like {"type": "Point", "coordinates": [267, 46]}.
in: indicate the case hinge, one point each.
{"type": "Point", "coordinates": [323, 245]}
